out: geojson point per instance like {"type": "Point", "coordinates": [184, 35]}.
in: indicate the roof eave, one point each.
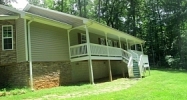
{"type": "Point", "coordinates": [47, 21]}
{"type": "Point", "coordinates": [22, 14]}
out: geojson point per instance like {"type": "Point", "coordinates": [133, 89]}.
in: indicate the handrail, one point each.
{"type": "Point", "coordinates": [128, 54]}
{"type": "Point", "coordinates": [137, 56]}
{"type": "Point", "coordinates": [140, 65]}
{"type": "Point", "coordinates": [78, 45]}
{"type": "Point", "coordinates": [130, 63]}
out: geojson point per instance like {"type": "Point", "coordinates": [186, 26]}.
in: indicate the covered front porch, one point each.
{"type": "Point", "coordinates": [91, 43]}
{"type": "Point", "coordinates": [99, 42]}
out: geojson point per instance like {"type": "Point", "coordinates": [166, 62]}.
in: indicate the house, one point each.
{"type": "Point", "coordinates": [42, 48]}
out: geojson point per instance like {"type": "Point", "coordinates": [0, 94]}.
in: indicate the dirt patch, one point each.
{"type": "Point", "coordinates": [99, 88]}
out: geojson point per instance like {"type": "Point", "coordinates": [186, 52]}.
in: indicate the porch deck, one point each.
{"type": "Point", "coordinates": [98, 52]}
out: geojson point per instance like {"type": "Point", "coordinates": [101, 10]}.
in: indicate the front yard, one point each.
{"type": "Point", "coordinates": [161, 85]}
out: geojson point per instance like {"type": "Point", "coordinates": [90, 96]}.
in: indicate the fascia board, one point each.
{"type": "Point", "coordinates": [47, 21]}
{"type": "Point", "coordinates": [22, 14]}
{"type": "Point", "coordinates": [8, 17]}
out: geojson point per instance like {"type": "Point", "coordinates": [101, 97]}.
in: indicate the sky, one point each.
{"type": "Point", "coordinates": [20, 4]}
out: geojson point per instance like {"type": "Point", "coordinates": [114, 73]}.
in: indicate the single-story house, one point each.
{"type": "Point", "coordinates": [43, 48]}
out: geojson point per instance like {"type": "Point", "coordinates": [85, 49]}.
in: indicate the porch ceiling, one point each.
{"type": "Point", "coordinates": [114, 33]}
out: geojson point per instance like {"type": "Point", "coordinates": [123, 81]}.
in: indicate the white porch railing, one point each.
{"type": "Point", "coordinates": [126, 56]}
{"type": "Point", "coordinates": [135, 55]}
{"type": "Point", "coordinates": [78, 50]}
{"type": "Point", "coordinates": [113, 51]}
{"type": "Point", "coordinates": [96, 50]}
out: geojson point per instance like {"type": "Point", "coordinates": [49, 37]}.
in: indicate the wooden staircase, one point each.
{"type": "Point", "coordinates": [136, 70]}
{"type": "Point", "coordinates": [136, 63]}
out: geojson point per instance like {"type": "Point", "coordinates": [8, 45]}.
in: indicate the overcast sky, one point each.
{"type": "Point", "coordinates": [20, 4]}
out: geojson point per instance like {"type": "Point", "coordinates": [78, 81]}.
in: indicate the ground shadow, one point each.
{"type": "Point", "coordinates": [96, 81]}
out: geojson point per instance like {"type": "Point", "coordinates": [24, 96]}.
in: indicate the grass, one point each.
{"type": "Point", "coordinates": [161, 85]}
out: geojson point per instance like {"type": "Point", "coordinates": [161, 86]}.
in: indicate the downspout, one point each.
{"type": "Point", "coordinates": [29, 54]}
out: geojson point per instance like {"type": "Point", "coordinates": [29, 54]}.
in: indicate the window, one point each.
{"type": "Point", "coordinates": [110, 43]}
{"type": "Point", "coordinates": [102, 41]}
{"type": "Point", "coordinates": [7, 37]}
{"type": "Point", "coordinates": [83, 38]}
{"type": "Point", "coordinates": [124, 46]}
{"type": "Point", "coordinates": [115, 44]}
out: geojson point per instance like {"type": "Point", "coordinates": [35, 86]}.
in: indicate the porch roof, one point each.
{"type": "Point", "coordinates": [76, 21]}
{"type": "Point", "coordinates": [110, 30]}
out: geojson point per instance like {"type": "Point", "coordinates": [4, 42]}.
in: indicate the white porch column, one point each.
{"type": "Point", "coordinates": [127, 44]}
{"type": "Point", "coordinates": [89, 55]}
{"type": "Point", "coordinates": [69, 44]}
{"type": "Point", "coordinates": [109, 64]}
{"type": "Point", "coordinates": [135, 46]}
{"type": "Point", "coordinates": [119, 42]}
{"type": "Point", "coordinates": [122, 69]}
{"type": "Point", "coordinates": [141, 47]}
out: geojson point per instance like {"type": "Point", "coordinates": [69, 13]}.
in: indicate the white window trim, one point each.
{"type": "Point", "coordinates": [102, 40]}
{"type": "Point", "coordinates": [6, 37]}
{"type": "Point", "coordinates": [83, 41]}
{"type": "Point", "coordinates": [110, 43]}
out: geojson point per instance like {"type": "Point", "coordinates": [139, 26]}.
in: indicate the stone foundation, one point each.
{"type": "Point", "coordinates": [51, 74]}
{"type": "Point", "coordinates": [45, 75]}
{"type": "Point", "coordinates": [14, 75]}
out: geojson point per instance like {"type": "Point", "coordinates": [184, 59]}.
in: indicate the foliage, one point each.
{"type": "Point", "coordinates": [6, 2]}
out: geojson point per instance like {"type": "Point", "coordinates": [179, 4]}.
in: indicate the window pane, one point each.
{"type": "Point", "coordinates": [5, 34]}
{"type": "Point", "coordinates": [10, 34]}
{"type": "Point", "coordinates": [9, 28]}
{"type": "Point", "coordinates": [83, 38]}
{"type": "Point", "coordinates": [7, 31]}
{"type": "Point", "coordinates": [8, 43]}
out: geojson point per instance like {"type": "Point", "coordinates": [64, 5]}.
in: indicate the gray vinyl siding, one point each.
{"type": "Point", "coordinates": [48, 43]}
{"type": "Point", "coordinates": [74, 37]}
{"type": "Point", "coordinates": [21, 43]}
{"type": "Point", "coordinates": [94, 38]}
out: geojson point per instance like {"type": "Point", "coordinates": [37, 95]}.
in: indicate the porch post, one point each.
{"type": "Point", "coordinates": [109, 64]}
{"type": "Point", "coordinates": [122, 66]}
{"type": "Point", "coordinates": [127, 44]}
{"type": "Point", "coordinates": [89, 55]}
{"type": "Point", "coordinates": [135, 46]}
{"type": "Point", "coordinates": [141, 47]}
{"type": "Point", "coordinates": [119, 42]}
{"type": "Point", "coordinates": [69, 45]}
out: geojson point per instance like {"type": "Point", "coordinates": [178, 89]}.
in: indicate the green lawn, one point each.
{"type": "Point", "coordinates": [161, 85]}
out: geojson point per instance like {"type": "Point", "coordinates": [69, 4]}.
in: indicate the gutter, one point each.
{"type": "Point", "coordinates": [29, 53]}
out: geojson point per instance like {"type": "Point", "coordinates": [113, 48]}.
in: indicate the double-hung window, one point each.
{"type": "Point", "coordinates": [115, 44]}
{"type": "Point", "coordinates": [7, 37]}
{"type": "Point", "coordinates": [83, 38]}
{"type": "Point", "coordinates": [102, 41]}
{"type": "Point", "coordinates": [110, 43]}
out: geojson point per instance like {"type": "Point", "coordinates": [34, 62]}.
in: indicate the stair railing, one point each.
{"type": "Point", "coordinates": [140, 65]}
{"type": "Point", "coordinates": [127, 58]}
{"type": "Point", "coordinates": [134, 55]}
